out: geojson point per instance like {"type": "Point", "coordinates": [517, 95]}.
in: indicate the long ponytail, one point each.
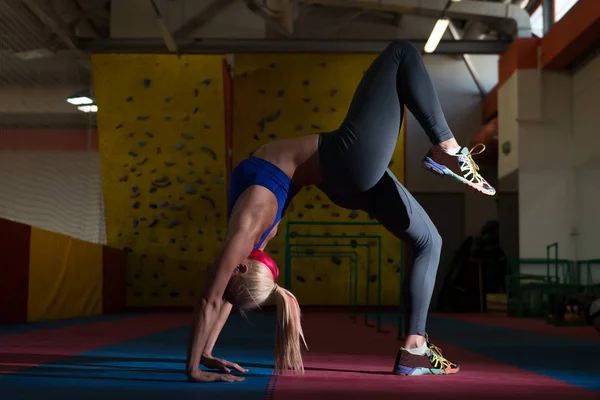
{"type": "Point", "coordinates": [288, 334]}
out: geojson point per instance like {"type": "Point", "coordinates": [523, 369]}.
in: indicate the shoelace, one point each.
{"type": "Point", "coordinates": [474, 168]}
{"type": "Point", "coordinates": [436, 355]}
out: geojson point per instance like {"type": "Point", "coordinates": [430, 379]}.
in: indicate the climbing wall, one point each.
{"type": "Point", "coordinates": [286, 95]}
{"type": "Point", "coordinates": [162, 144]}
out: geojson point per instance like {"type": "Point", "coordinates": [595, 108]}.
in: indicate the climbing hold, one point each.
{"type": "Point", "coordinates": [152, 190]}
{"type": "Point", "coordinates": [132, 169]}
{"type": "Point", "coordinates": [150, 134]}
{"type": "Point", "coordinates": [299, 127]}
{"type": "Point", "coordinates": [135, 205]}
{"type": "Point", "coordinates": [336, 260]}
{"type": "Point", "coordinates": [206, 126]}
{"type": "Point", "coordinates": [178, 146]}
{"type": "Point", "coordinates": [143, 161]}
{"type": "Point", "coordinates": [161, 260]}
{"type": "Point", "coordinates": [300, 279]}
{"type": "Point", "coordinates": [207, 81]}
{"type": "Point", "coordinates": [309, 251]}
{"type": "Point", "coordinates": [134, 189]}
{"type": "Point", "coordinates": [187, 136]}
{"type": "Point", "coordinates": [175, 207]}
{"type": "Point", "coordinates": [173, 240]}
{"type": "Point", "coordinates": [123, 178]}
{"type": "Point", "coordinates": [186, 118]}
{"type": "Point", "coordinates": [119, 126]}
{"type": "Point", "coordinates": [316, 109]}
{"type": "Point", "coordinates": [335, 214]}
{"type": "Point", "coordinates": [130, 134]}
{"type": "Point", "coordinates": [168, 99]}
{"type": "Point", "coordinates": [180, 179]}
{"type": "Point", "coordinates": [189, 189]}
{"type": "Point", "coordinates": [196, 92]}
{"type": "Point", "coordinates": [309, 206]}
{"type": "Point", "coordinates": [191, 172]}
{"type": "Point", "coordinates": [207, 171]}
{"type": "Point", "coordinates": [306, 82]}
{"type": "Point", "coordinates": [142, 144]}
{"type": "Point", "coordinates": [272, 135]}
{"type": "Point", "coordinates": [324, 205]}
{"type": "Point", "coordinates": [316, 126]}
{"type": "Point", "coordinates": [147, 83]}
{"type": "Point", "coordinates": [333, 109]}
{"type": "Point", "coordinates": [132, 154]}
{"type": "Point", "coordinates": [163, 215]}
{"type": "Point", "coordinates": [318, 279]}
{"type": "Point", "coordinates": [353, 243]}
{"type": "Point", "coordinates": [390, 260]}
{"type": "Point", "coordinates": [306, 100]}
{"type": "Point", "coordinates": [190, 163]}
{"type": "Point", "coordinates": [153, 206]}
{"type": "Point", "coordinates": [170, 164]}
{"type": "Point", "coordinates": [189, 153]}
{"type": "Point", "coordinates": [274, 251]}
{"type": "Point", "coordinates": [162, 182]}
{"type": "Point", "coordinates": [333, 92]}
{"type": "Point", "coordinates": [189, 215]}
{"type": "Point", "coordinates": [218, 181]}
{"type": "Point", "coordinates": [199, 181]}
{"type": "Point", "coordinates": [200, 231]}
{"type": "Point", "coordinates": [127, 249]}
{"type": "Point", "coordinates": [211, 201]}
{"type": "Point", "coordinates": [135, 223]}
{"type": "Point", "coordinates": [209, 151]}
{"type": "Point", "coordinates": [353, 214]}
{"type": "Point", "coordinates": [256, 137]}
{"type": "Point", "coordinates": [183, 267]}
{"type": "Point", "coordinates": [153, 223]}
{"type": "Point", "coordinates": [261, 91]}
{"type": "Point", "coordinates": [174, 223]}
{"type": "Point", "coordinates": [196, 109]}
{"type": "Point", "coordinates": [142, 117]}
{"type": "Point", "coordinates": [373, 278]}
{"type": "Point", "coordinates": [174, 294]}
{"type": "Point", "coordinates": [323, 64]}
{"type": "Point", "coordinates": [167, 117]}
{"type": "Point", "coordinates": [153, 170]}
{"type": "Point", "coordinates": [129, 99]}
{"type": "Point", "coordinates": [280, 92]}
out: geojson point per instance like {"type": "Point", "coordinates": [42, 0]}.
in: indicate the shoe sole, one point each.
{"type": "Point", "coordinates": [406, 371]}
{"type": "Point", "coordinates": [442, 170]}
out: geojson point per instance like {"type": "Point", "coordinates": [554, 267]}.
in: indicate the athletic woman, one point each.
{"type": "Point", "coordinates": [350, 165]}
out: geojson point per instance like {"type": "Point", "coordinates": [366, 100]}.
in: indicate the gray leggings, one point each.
{"type": "Point", "coordinates": [354, 162]}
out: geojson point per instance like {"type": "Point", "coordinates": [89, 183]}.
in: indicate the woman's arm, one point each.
{"type": "Point", "coordinates": [214, 334]}
{"type": "Point", "coordinates": [234, 251]}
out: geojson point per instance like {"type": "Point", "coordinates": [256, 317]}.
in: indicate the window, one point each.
{"type": "Point", "coordinates": [561, 7]}
{"type": "Point", "coordinates": [537, 22]}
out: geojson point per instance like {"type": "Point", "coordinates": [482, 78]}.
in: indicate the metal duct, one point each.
{"type": "Point", "coordinates": [508, 18]}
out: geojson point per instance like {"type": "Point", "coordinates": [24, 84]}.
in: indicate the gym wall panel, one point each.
{"type": "Point", "coordinates": [65, 277]}
{"type": "Point", "coordinates": [14, 269]}
{"type": "Point", "coordinates": [280, 96]}
{"type": "Point", "coordinates": [162, 145]}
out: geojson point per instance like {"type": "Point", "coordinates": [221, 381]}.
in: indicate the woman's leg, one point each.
{"type": "Point", "coordinates": [400, 213]}
{"type": "Point", "coordinates": [366, 139]}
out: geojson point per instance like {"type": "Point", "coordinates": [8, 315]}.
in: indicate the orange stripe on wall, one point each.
{"type": "Point", "coordinates": [572, 35]}
{"type": "Point", "coordinates": [49, 139]}
{"type": "Point", "coordinates": [521, 54]}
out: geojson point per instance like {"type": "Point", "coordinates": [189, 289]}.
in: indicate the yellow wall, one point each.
{"type": "Point", "coordinates": [298, 94]}
{"type": "Point", "coordinates": [65, 277]}
{"type": "Point", "coordinates": [162, 144]}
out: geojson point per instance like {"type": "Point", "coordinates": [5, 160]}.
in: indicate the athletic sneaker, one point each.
{"type": "Point", "coordinates": [459, 166]}
{"type": "Point", "coordinates": [430, 363]}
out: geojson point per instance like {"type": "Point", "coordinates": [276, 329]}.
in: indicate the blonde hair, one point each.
{"type": "Point", "coordinates": [252, 289]}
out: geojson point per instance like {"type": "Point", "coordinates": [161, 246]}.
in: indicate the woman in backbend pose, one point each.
{"type": "Point", "coordinates": [350, 165]}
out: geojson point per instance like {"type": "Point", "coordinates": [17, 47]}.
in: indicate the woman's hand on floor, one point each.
{"type": "Point", "coordinates": [220, 364]}
{"type": "Point", "coordinates": [205, 376]}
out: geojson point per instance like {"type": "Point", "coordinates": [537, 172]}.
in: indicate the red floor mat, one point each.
{"type": "Point", "coordinates": [25, 350]}
{"type": "Point", "coordinates": [350, 361]}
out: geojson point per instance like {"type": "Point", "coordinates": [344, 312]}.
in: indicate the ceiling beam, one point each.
{"type": "Point", "coordinates": [49, 18]}
{"type": "Point", "coordinates": [203, 17]}
{"type": "Point", "coordinates": [270, 21]}
{"type": "Point", "coordinates": [222, 46]}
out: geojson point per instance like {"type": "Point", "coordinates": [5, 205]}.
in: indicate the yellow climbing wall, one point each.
{"type": "Point", "coordinates": [162, 144]}
{"type": "Point", "coordinates": [286, 95]}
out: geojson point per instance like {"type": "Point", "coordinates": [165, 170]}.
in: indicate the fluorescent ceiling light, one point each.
{"type": "Point", "coordinates": [89, 108]}
{"type": "Point", "coordinates": [76, 101]}
{"type": "Point", "coordinates": [436, 35]}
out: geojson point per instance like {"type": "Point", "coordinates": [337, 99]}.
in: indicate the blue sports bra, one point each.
{"type": "Point", "coordinates": [256, 171]}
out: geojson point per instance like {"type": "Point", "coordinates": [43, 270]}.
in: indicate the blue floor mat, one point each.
{"type": "Point", "coordinates": [60, 323]}
{"type": "Point", "coordinates": [153, 367]}
{"type": "Point", "coordinates": [567, 359]}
